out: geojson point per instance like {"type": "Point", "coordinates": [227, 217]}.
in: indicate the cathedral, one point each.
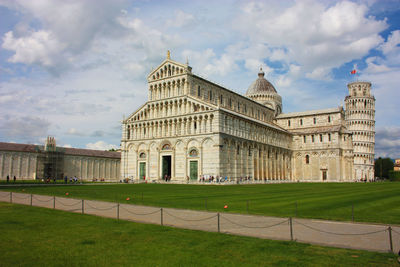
{"type": "Point", "coordinates": [191, 128]}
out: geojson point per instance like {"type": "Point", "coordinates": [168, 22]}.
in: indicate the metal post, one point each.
{"type": "Point", "coordinates": [162, 223]}
{"type": "Point", "coordinates": [247, 206]}
{"type": "Point", "coordinates": [10, 197]}
{"type": "Point", "coordinates": [83, 206]}
{"type": "Point", "coordinates": [54, 202]}
{"type": "Point", "coordinates": [219, 228]}
{"type": "Point", "coordinates": [118, 211]}
{"type": "Point", "coordinates": [352, 212]}
{"type": "Point", "coordinates": [296, 209]}
{"type": "Point", "coordinates": [31, 199]}
{"type": "Point", "coordinates": [390, 239]}
{"type": "Point", "coordinates": [291, 228]}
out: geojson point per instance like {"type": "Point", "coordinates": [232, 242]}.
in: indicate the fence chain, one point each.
{"type": "Point", "coordinates": [6, 194]}
{"type": "Point", "coordinates": [395, 231]}
{"type": "Point", "coordinates": [190, 220]}
{"type": "Point", "coordinates": [69, 205]}
{"type": "Point", "coordinates": [332, 233]}
{"type": "Point", "coordinates": [140, 214]}
{"type": "Point", "coordinates": [23, 197]}
{"type": "Point", "coordinates": [110, 208]}
{"type": "Point", "coordinates": [256, 227]}
{"type": "Point", "coordinates": [51, 199]}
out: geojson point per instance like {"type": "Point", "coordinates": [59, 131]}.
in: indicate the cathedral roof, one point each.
{"type": "Point", "coordinates": [320, 129]}
{"type": "Point", "coordinates": [66, 150]}
{"type": "Point", "coordinates": [261, 85]}
{"type": "Point", "coordinates": [310, 113]}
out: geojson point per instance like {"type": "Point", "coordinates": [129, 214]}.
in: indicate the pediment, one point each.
{"type": "Point", "coordinates": [140, 111]}
{"type": "Point", "coordinates": [168, 68]}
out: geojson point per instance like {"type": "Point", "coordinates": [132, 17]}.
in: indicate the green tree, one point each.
{"type": "Point", "coordinates": [383, 166]}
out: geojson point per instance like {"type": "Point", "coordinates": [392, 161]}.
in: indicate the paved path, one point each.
{"type": "Point", "coordinates": [373, 237]}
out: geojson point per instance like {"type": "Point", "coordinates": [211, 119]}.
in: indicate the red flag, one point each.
{"type": "Point", "coordinates": [353, 72]}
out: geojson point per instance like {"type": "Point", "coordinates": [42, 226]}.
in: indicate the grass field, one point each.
{"type": "Point", "coordinates": [373, 202]}
{"type": "Point", "coordinates": [32, 236]}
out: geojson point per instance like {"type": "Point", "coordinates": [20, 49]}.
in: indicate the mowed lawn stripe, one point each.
{"type": "Point", "coordinates": [33, 236]}
{"type": "Point", "coordinates": [373, 202]}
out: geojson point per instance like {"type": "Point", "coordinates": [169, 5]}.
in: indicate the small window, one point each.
{"type": "Point", "coordinates": [210, 95]}
{"type": "Point", "coordinates": [142, 155]}
{"type": "Point", "coordinates": [344, 138]}
{"type": "Point", "coordinates": [321, 138]}
{"type": "Point", "coordinates": [230, 102]}
{"type": "Point", "coordinates": [195, 125]}
{"type": "Point", "coordinates": [307, 159]}
{"type": "Point", "coordinates": [304, 139]}
{"type": "Point", "coordinates": [329, 118]}
{"type": "Point", "coordinates": [315, 120]}
{"type": "Point", "coordinates": [238, 149]}
{"type": "Point", "coordinates": [166, 147]}
{"type": "Point", "coordinates": [198, 91]}
{"type": "Point", "coordinates": [301, 121]}
{"type": "Point", "coordinates": [193, 153]}
{"type": "Point", "coordinates": [329, 137]}
{"type": "Point", "coordinates": [288, 123]}
{"type": "Point", "coordinates": [312, 138]}
{"type": "Point", "coordinates": [221, 100]}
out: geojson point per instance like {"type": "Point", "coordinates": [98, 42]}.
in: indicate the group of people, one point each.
{"type": "Point", "coordinates": [167, 178]}
{"type": "Point", "coordinates": [220, 179]}
{"type": "Point", "coordinates": [71, 179]}
{"type": "Point", "coordinates": [8, 178]}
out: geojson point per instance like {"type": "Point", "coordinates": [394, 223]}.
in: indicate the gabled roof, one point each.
{"type": "Point", "coordinates": [186, 68]}
{"type": "Point", "coordinates": [320, 129]}
{"type": "Point", "coordinates": [310, 113]}
{"type": "Point", "coordinates": [13, 147]}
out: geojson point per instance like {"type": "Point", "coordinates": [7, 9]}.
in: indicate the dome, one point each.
{"type": "Point", "coordinates": [261, 85]}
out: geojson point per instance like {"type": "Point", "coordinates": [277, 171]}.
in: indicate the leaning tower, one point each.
{"type": "Point", "coordinates": [360, 120]}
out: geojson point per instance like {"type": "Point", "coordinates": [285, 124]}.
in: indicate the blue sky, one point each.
{"type": "Point", "coordinates": [73, 69]}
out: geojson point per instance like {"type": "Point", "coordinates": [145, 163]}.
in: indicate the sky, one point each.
{"type": "Point", "coordinates": [73, 69]}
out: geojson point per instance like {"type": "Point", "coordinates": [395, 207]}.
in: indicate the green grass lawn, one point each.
{"type": "Point", "coordinates": [373, 202]}
{"type": "Point", "coordinates": [32, 236]}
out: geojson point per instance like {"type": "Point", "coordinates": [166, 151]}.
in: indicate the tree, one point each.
{"type": "Point", "coordinates": [383, 166]}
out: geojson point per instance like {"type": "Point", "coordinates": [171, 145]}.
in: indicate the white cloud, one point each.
{"type": "Point", "coordinates": [73, 131]}
{"type": "Point", "coordinates": [100, 145]}
{"type": "Point", "coordinates": [311, 34]}
{"type": "Point", "coordinates": [181, 19]}
{"type": "Point", "coordinates": [387, 142]}
{"type": "Point", "coordinates": [28, 129]}
{"type": "Point", "coordinates": [392, 43]}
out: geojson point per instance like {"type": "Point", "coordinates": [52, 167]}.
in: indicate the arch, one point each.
{"type": "Point", "coordinates": [193, 152]}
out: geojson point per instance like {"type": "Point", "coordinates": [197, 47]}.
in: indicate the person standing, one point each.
{"type": "Point", "coordinates": [8, 178]}
{"type": "Point", "coordinates": [15, 178]}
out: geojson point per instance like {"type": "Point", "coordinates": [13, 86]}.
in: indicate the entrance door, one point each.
{"type": "Point", "coordinates": [166, 167]}
{"type": "Point", "coordinates": [142, 170]}
{"type": "Point", "coordinates": [324, 175]}
{"type": "Point", "coordinates": [193, 170]}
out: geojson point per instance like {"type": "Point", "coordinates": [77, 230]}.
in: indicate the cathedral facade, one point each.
{"type": "Point", "coordinates": [192, 128]}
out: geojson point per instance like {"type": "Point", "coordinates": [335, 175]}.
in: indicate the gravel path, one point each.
{"type": "Point", "coordinates": [373, 237]}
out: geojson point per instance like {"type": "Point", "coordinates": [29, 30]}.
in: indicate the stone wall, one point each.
{"type": "Point", "coordinates": [19, 164]}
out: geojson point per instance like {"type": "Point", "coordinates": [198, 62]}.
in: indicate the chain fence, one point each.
{"type": "Point", "coordinates": [332, 233]}
{"type": "Point", "coordinates": [191, 220]}
{"type": "Point", "coordinates": [246, 224]}
{"type": "Point", "coordinates": [255, 227]}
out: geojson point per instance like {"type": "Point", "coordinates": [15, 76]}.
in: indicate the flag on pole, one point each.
{"type": "Point", "coordinates": [353, 71]}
